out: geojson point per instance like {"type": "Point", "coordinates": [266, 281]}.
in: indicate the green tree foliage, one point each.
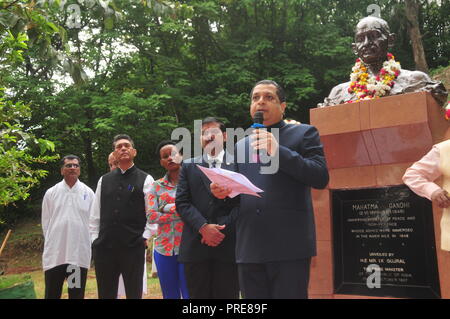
{"type": "Point", "coordinates": [19, 167]}
{"type": "Point", "coordinates": [145, 67]}
{"type": "Point", "coordinates": [22, 154]}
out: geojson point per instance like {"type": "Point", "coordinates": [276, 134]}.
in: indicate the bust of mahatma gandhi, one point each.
{"type": "Point", "coordinates": [376, 73]}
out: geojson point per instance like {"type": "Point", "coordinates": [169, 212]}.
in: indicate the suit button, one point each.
{"type": "Point", "coordinates": [118, 198]}
{"type": "Point", "coordinates": [210, 202]}
{"type": "Point", "coordinates": [116, 211]}
{"type": "Point", "coordinates": [258, 212]}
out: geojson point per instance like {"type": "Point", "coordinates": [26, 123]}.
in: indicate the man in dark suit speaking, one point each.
{"type": "Point", "coordinates": [207, 244]}
{"type": "Point", "coordinates": [275, 234]}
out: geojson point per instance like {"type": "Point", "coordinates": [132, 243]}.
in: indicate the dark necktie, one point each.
{"type": "Point", "coordinates": [214, 163]}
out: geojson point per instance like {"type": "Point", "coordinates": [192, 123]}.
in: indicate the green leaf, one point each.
{"type": "Point", "coordinates": [109, 23]}
{"type": "Point", "coordinates": [52, 26]}
{"type": "Point", "coordinates": [46, 145]}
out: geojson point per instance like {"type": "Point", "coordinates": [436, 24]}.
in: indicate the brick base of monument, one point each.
{"type": "Point", "coordinates": [369, 145]}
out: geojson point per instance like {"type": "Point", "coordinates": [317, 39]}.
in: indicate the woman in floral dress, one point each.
{"type": "Point", "coordinates": [162, 211]}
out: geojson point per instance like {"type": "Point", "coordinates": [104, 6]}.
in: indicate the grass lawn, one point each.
{"type": "Point", "coordinates": [153, 288]}
{"type": "Point", "coordinates": [23, 255]}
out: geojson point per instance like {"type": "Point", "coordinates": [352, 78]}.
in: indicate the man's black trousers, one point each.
{"type": "Point", "coordinates": [212, 280]}
{"type": "Point", "coordinates": [275, 280]}
{"type": "Point", "coordinates": [111, 262]}
{"type": "Point", "coordinates": [54, 280]}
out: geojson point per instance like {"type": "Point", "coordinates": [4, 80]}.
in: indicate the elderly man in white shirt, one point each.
{"type": "Point", "coordinates": [65, 224]}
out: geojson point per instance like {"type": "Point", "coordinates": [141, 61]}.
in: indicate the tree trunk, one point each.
{"type": "Point", "coordinates": [91, 172]}
{"type": "Point", "coordinates": [87, 141]}
{"type": "Point", "coordinates": [412, 17]}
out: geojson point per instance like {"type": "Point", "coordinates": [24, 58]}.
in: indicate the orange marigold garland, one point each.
{"type": "Point", "coordinates": [367, 86]}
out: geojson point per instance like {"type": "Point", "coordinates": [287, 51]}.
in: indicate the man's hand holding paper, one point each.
{"type": "Point", "coordinates": [219, 191]}
{"type": "Point", "coordinates": [227, 183]}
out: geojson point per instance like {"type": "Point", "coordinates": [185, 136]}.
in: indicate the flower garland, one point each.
{"type": "Point", "coordinates": [367, 86]}
{"type": "Point", "coordinates": [447, 111]}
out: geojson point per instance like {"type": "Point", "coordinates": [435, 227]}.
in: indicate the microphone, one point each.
{"type": "Point", "coordinates": [258, 119]}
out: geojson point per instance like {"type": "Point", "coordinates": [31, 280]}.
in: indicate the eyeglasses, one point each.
{"type": "Point", "coordinates": [70, 165]}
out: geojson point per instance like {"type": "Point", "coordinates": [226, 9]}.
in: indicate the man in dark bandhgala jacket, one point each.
{"type": "Point", "coordinates": [207, 247]}
{"type": "Point", "coordinates": [275, 234]}
{"type": "Point", "coordinates": [117, 224]}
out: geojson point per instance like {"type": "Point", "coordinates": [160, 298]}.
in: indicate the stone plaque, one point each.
{"type": "Point", "coordinates": [384, 243]}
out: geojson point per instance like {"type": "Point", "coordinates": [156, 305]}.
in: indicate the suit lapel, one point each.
{"type": "Point", "coordinates": [203, 177]}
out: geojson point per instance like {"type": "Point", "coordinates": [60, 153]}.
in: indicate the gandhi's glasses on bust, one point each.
{"type": "Point", "coordinates": [70, 165]}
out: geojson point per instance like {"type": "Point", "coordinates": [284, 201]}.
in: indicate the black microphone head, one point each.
{"type": "Point", "coordinates": [258, 118]}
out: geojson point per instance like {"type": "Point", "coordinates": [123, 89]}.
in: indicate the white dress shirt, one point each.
{"type": "Point", "coordinates": [94, 223]}
{"type": "Point", "coordinates": [65, 224]}
{"type": "Point", "coordinates": [215, 159]}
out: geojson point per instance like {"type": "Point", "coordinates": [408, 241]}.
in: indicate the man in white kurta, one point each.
{"type": "Point", "coordinates": [65, 225]}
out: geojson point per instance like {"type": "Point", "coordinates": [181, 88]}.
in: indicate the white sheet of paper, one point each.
{"type": "Point", "coordinates": [238, 183]}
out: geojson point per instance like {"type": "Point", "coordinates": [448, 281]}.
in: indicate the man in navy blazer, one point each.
{"type": "Point", "coordinates": [207, 247]}
{"type": "Point", "coordinates": [275, 234]}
